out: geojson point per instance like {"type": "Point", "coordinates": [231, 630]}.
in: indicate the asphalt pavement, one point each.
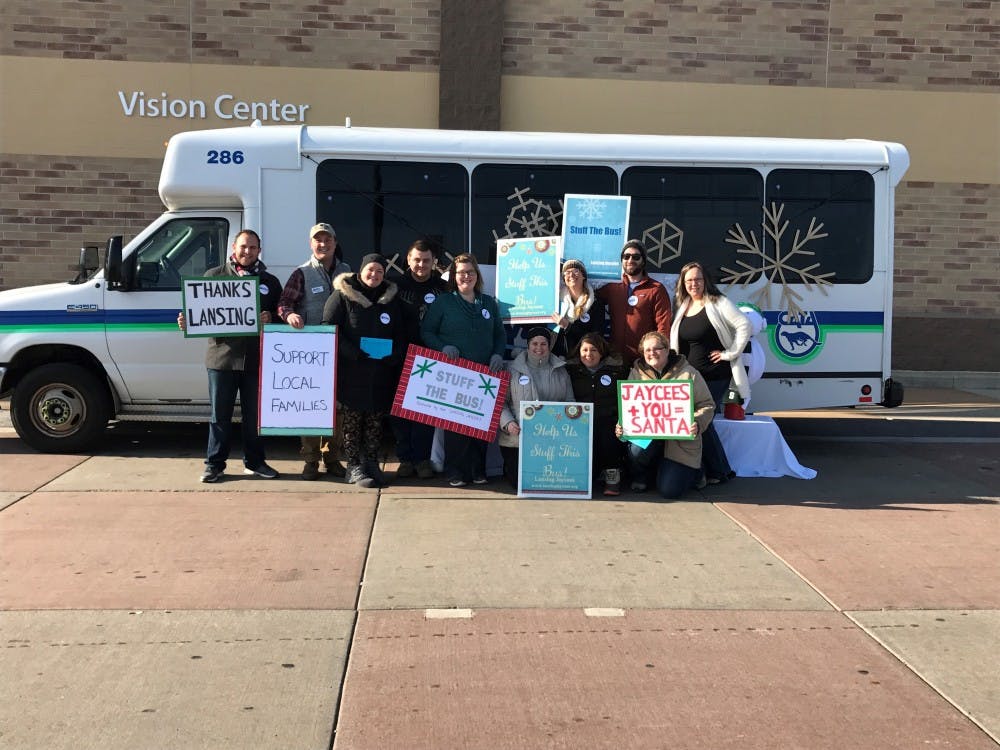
{"type": "Point", "coordinates": [859, 609]}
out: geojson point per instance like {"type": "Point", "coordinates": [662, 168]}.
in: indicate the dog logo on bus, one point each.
{"type": "Point", "coordinates": [798, 337]}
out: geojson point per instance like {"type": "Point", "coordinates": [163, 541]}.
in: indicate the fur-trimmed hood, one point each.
{"type": "Point", "coordinates": [351, 287]}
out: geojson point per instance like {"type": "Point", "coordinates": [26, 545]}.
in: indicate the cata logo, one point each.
{"type": "Point", "coordinates": [797, 338]}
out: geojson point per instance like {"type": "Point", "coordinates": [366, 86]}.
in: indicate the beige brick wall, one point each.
{"type": "Point", "coordinates": [389, 35]}
{"type": "Point", "coordinates": [920, 44]}
{"type": "Point", "coordinates": [947, 250]}
{"type": "Point", "coordinates": [50, 206]}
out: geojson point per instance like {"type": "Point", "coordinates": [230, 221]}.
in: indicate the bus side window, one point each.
{"type": "Point", "coordinates": [183, 247]}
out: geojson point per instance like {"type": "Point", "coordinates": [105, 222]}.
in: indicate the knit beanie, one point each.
{"type": "Point", "coordinates": [374, 258]}
{"type": "Point", "coordinates": [578, 265]}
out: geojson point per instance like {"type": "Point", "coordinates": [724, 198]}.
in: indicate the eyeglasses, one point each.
{"type": "Point", "coordinates": [631, 256]}
{"type": "Point", "coordinates": [465, 273]}
{"type": "Point", "coordinates": [653, 349]}
{"type": "Point", "coordinates": [694, 281]}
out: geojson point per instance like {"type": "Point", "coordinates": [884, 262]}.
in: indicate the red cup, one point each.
{"type": "Point", "coordinates": [733, 411]}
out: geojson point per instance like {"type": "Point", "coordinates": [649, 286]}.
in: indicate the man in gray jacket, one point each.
{"type": "Point", "coordinates": [233, 364]}
{"type": "Point", "coordinates": [301, 304]}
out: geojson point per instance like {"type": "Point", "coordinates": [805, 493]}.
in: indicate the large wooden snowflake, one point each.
{"type": "Point", "coordinates": [530, 218]}
{"type": "Point", "coordinates": [779, 268]}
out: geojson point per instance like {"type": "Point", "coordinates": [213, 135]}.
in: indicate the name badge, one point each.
{"type": "Point", "coordinates": [429, 297]}
{"type": "Point", "coordinates": [605, 380]}
{"type": "Point", "coordinates": [524, 380]}
{"type": "Point", "coordinates": [486, 313]}
{"type": "Point", "coordinates": [316, 289]}
{"type": "Point", "coordinates": [263, 288]}
{"type": "Point", "coordinates": [585, 318]}
{"type": "Point", "coordinates": [384, 317]}
{"type": "Point", "coordinates": [633, 300]}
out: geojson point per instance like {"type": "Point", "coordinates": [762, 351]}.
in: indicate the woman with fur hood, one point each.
{"type": "Point", "coordinates": [536, 374]}
{"type": "Point", "coordinates": [371, 345]}
{"type": "Point", "coordinates": [580, 311]}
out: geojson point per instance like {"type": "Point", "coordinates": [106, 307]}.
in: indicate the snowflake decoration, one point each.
{"type": "Point", "coordinates": [663, 242]}
{"type": "Point", "coordinates": [778, 270]}
{"type": "Point", "coordinates": [530, 218]}
{"type": "Point", "coordinates": [394, 266]}
{"type": "Point", "coordinates": [591, 209]}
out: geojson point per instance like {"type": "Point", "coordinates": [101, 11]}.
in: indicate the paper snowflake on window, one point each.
{"type": "Point", "coordinates": [779, 269]}
{"type": "Point", "coordinates": [530, 218]}
{"type": "Point", "coordinates": [663, 242]}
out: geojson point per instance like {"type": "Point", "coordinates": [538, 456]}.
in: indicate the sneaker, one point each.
{"type": "Point", "coordinates": [371, 469]}
{"type": "Point", "coordinates": [638, 486]}
{"type": "Point", "coordinates": [457, 482]}
{"type": "Point", "coordinates": [211, 474]}
{"type": "Point", "coordinates": [612, 482]}
{"type": "Point", "coordinates": [335, 469]}
{"type": "Point", "coordinates": [353, 474]}
{"type": "Point", "coordinates": [425, 470]}
{"type": "Point", "coordinates": [480, 480]}
{"type": "Point", "coordinates": [406, 469]}
{"type": "Point", "coordinates": [263, 471]}
{"type": "Point", "coordinates": [369, 483]}
{"type": "Point", "coordinates": [701, 483]}
{"type": "Point", "coordinates": [310, 471]}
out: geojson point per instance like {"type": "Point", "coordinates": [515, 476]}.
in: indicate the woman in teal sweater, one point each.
{"type": "Point", "coordinates": [464, 322]}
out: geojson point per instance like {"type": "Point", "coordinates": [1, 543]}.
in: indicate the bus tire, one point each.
{"type": "Point", "coordinates": [60, 408]}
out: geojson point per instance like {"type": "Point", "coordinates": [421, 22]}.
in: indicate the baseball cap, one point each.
{"type": "Point", "coordinates": [322, 227]}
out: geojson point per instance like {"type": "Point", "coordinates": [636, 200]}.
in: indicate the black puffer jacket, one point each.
{"type": "Point", "coordinates": [599, 387]}
{"type": "Point", "coordinates": [358, 311]}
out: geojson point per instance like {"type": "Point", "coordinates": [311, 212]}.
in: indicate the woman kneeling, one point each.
{"type": "Point", "coordinates": [676, 463]}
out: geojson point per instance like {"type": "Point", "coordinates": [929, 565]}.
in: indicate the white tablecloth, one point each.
{"type": "Point", "coordinates": [755, 448]}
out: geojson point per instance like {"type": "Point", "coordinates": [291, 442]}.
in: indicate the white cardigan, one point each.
{"type": "Point", "coordinates": [733, 329]}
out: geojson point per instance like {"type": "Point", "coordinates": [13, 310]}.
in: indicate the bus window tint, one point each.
{"type": "Point", "coordinates": [844, 202]}
{"type": "Point", "coordinates": [701, 204]}
{"type": "Point", "coordinates": [534, 211]}
{"type": "Point", "coordinates": [386, 205]}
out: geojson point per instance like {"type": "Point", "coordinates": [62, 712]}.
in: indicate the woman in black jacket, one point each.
{"type": "Point", "coordinates": [595, 371]}
{"type": "Point", "coordinates": [371, 345]}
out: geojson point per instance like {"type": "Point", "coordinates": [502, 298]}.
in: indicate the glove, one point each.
{"type": "Point", "coordinates": [496, 363]}
{"type": "Point", "coordinates": [450, 351]}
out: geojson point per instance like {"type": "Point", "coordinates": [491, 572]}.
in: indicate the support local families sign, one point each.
{"type": "Point", "coordinates": [298, 380]}
{"type": "Point", "coordinates": [454, 394]}
{"type": "Point", "coordinates": [656, 409]}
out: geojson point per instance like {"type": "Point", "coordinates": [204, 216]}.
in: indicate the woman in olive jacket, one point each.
{"type": "Point", "coordinates": [679, 461]}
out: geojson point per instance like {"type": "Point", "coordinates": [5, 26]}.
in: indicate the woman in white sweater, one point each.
{"type": "Point", "coordinates": [711, 332]}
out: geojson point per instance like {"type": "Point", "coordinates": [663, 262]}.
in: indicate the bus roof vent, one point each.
{"type": "Point", "coordinates": [347, 122]}
{"type": "Point", "coordinates": [256, 124]}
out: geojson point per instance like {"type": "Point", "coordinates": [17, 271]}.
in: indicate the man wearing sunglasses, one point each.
{"type": "Point", "coordinates": [637, 305]}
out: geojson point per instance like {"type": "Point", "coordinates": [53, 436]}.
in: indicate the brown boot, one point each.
{"type": "Point", "coordinates": [310, 471]}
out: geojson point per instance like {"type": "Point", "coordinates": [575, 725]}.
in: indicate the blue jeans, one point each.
{"type": "Point", "coordinates": [413, 440]}
{"type": "Point", "coordinates": [673, 479]}
{"type": "Point", "coordinates": [223, 387]}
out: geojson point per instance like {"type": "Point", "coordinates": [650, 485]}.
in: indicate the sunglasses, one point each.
{"type": "Point", "coordinates": [631, 256]}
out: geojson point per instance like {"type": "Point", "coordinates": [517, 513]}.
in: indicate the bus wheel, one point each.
{"type": "Point", "coordinates": [60, 408]}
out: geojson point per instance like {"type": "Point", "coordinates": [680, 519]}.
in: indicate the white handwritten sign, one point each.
{"type": "Point", "coordinates": [298, 380]}
{"type": "Point", "coordinates": [454, 394]}
{"type": "Point", "coordinates": [221, 306]}
{"type": "Point", "coordinates": [656, 409]}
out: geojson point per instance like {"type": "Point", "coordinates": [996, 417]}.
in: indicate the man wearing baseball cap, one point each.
{"type": "Point", "coordinates": [301, 304]}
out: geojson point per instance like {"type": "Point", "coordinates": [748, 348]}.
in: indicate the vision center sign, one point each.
{"type": "Point", "coordinates": [224, 106]}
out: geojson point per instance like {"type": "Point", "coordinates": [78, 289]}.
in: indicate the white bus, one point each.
{"type": "Point", "coordinates": [803, 229]}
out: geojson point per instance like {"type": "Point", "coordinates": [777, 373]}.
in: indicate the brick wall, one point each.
{"type": "Point", "coordinates": [947, 250]}
{"type": "Point", "coordinates": [399, 35]}
{"type": "Point", "coordinates": [921, 44]}
{"type": "Point", "coordinates": [50, 206]}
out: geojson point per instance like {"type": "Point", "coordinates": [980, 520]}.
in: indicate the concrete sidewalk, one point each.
{"type": "Point", "coordinates": [140, 609]}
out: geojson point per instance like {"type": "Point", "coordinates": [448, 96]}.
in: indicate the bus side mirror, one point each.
{"type": "Point", "coordinates": [114, 273]}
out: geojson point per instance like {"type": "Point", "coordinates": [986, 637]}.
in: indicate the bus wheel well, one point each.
{"type": "Point", "coordinates": [33, 357]}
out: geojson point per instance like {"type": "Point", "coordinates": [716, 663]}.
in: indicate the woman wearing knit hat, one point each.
{"type": "Point", "coordinates": [580, 311]}
{"type": "Point", "coordinates": [535, 375]}
{"type": "Point", "coordinates": [371, 344]}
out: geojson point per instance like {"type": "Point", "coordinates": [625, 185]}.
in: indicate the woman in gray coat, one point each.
{"type": "Point", "coordinates": [535, 375]}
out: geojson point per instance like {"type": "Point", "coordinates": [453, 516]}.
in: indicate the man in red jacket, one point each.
{"type": "Point", "coordinates": [637, 304]}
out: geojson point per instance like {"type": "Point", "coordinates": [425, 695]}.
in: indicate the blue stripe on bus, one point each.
{"type": "Point", "coordinates": [63, 317]}
{"type": "Point", "coordinates": [835, 318]}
